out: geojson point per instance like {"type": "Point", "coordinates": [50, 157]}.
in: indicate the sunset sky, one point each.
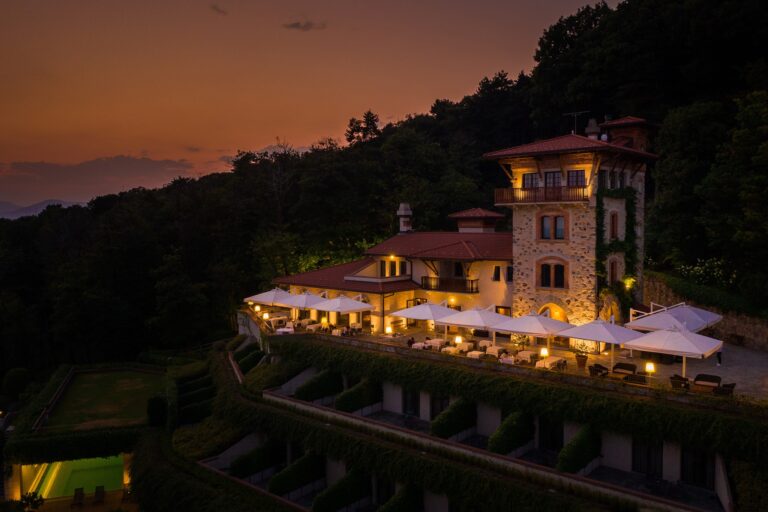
{"type": "Point", "coordinates": [101, 96]}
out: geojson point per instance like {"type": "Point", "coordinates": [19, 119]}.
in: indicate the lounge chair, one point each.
{"type": "Point", "coordinates": [597, 370]}
{"type": "Point", "coordinates": [725, 389]}
{"type": "Point", "coordinates": [625, 368]}
{"type": "Point", "coordinates": [707, 380]}
{"type": "Point", "coordinates": [78, 500]}
{"type": "Point", "coordinates": [98, 496]}
{"type": "Point", "coordinates": [679, 382]}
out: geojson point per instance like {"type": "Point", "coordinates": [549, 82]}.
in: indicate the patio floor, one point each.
{"type": "Point", "coordinates": [746, 367]}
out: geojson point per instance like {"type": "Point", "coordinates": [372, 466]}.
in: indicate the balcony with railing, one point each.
{"type": "Point", "coordinates": [456, 284]}
{"type": "Point", "coordinates": [504, 196]}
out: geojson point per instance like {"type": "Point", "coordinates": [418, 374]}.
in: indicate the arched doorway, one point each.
{"type": "Point", "coordinates": [554, 312]}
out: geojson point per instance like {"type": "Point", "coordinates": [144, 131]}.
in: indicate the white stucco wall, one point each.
{"type": "Point", "coordinates": [425, 406]}
{"type": "Point", "coordinates": [671, 460]}
{"type": "Point", "coordinates": [617, 450]}
{"type": "Point", "coordinates": [393, 397]}
{"type": "Point", "coordinates": [488, 419]}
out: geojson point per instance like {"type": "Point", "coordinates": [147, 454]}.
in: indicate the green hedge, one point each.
{"type": "Point", "coordinates": [355, 486]}
{"type": "Point", "coordinates": [44, 447]}
{"type": "Point", "coordinates": [246, 351]}
{"type": "Point", "coordinates": [735, 434]}
{"type": "Point", "coordinates": [516, 430]}
{"type": "Point", "coordinates": [161, 481]}
{"type": "Point", "coordinates": [580, 451]}
{"type": "Point", "coordinates": [189, 386]}
{"type": "Point", "coordinates": [709, 295]}
{"type": "Point", "coordinates": [187, 373]}
{"type": "Point", "coordinates": [362, 394]}
{"type": "Point", "coordinates": [271, 375]}
{"type": "Point", "coordinates": [457, 417]}
{"type": "Point", "coordinates": [325, 383]}
{"type": "Point", "coordinates": [30, 413]}
{"type": "Point", "coordinates": [303, 471]}
{"type": "Point", "coordinates": [407, 499]}
{"type": "Point", "coordinates": [259, 459]}
{"type": "Point", "coordinates": [249, 362]}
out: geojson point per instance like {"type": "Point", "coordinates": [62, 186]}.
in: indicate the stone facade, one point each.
{"type": "Point", "coordinates": [579, 299]}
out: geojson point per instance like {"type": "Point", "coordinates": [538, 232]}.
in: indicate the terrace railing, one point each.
{"type": "Point", "coordinates": [457, 285]}
{"type": "Point", "coordinates": [540, 195]}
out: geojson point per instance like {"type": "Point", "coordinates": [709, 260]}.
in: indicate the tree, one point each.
{"type": "Point", "coordinates": [363, 130]}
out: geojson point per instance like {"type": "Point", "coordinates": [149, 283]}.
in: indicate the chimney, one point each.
{"type": "Point", "coordinates": [404, 213]}
{"type": "Point", "coordinates": [592, 130]}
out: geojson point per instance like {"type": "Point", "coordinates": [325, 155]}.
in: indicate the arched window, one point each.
{"type": "Point", "coordinates": [614, 226]}
{"type": "Point", "coordinates": [552, 273]}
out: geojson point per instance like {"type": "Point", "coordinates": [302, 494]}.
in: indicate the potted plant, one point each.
{"type": "Point", "coordinates": [582, 349]}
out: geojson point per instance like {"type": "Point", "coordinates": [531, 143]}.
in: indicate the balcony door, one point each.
{"type": "Point", "coordinates": [553, 183]}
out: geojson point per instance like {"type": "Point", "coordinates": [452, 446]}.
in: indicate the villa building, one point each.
{"type": "Point", "coordinates": [565, 193]}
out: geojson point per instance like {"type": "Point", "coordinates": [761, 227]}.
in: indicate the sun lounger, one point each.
{"type": "Point", "coordinates": [625, 368]}
{"type": "Point", "coordinates": [725, 389]}
{"type": "Point", "coordinates": [636, 379]}
{"type": "Point", "coordinates": [79, 498]}
{"type": "Point", "coordinates": [98, 496]}
{"type": "Point", "coordinates": [597, 370]}
{"type": "Point", "coordinates": [679, 382]}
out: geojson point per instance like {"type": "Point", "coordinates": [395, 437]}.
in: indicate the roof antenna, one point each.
{"type": "Point", "coordinates": [575, 118]}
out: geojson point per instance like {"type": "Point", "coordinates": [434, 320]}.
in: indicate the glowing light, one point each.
{"type": "Point", "coordinates": [388, 329]}
{"type": "Point", "coordinates": [257, 308]}
{"type": "Point", "coordinates": [452, 300]}
{"type": "Point", "coordinates": [324, 320]}
{"type": "Point", "coordinates": [458, 340]}
{"type": "Point", "coordinates": [650, 367]}
{"type": "Point", "coordinates": [544, 352]}
{"type": "Point", "coordinates": [250, 303]}
{"type": "Point", "coordinates": [391, 256]}
{"type": "Point", "coordinates": [629, 282]}
{"type": "Point", "coordinates": [265, 316]}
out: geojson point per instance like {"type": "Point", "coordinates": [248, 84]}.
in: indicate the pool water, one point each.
{"type": "Point", "coordinates": [60, 479]}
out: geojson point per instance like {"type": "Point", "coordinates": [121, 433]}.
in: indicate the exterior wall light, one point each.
{"type": "Point", "coordinates": [256, 308]}
{"type": "Point", "coordinates": [544, 352]}
{"type": "Point", "coordinates": [388, 329]}
{"type": "Point", "coordinates": [458, 340]}
{"type": "Point", "coordinates": [650, 368]}
{"type": "Point", "coordinates": [265, 316]}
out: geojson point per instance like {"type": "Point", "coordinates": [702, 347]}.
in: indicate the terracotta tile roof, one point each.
{"type": "Point", "coordinates": [447, 245]}
{"type": "Point", "coordinates": [564, 144]}
{"type": "Point", "coordinates": [623, 121]}
{"type": "Point", "coordinates": [476, 213]}
{"type": "Point", "coordinates": [333, 278]}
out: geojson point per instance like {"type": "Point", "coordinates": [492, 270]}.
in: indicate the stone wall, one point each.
{"type": "Point", "coordinates": [579, 300]}
{"type": "Point", "coordinates": [734, 328]}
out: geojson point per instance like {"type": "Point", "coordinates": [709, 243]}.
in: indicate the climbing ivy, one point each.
{"type": "Point", "coordinates": [628, 246]}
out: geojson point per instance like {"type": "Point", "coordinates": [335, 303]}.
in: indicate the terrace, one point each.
{"type": "Point", "coordinates": [508, 196]}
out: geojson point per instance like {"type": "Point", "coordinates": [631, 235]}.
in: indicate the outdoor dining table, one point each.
{"type": "Point", "coordinates": [419, 346]}
{"type": "Point", "coordinates": [524, 355]}
{"type": "Point", "coordinates": [548, 362]}
{"type": "Point", "coordinates": [465, 346]}
{"type": "Point", "coordinates": [484, 343]}
{"type": "Point", "coordinates": [451, 350]}
{"type": "Point", "coordinates": [493, 350]}
{"type": "Point", "coordinates": [313, 327]}
{"type": "Point", "coordinates": [507, 360]}
{"type": "Point", "coordinates": [336, 332]}
{"type": "Point", "coordinates": [437, 343]}
{"type": "Point", "coordinates": [475, 354]}
{"type": "Point", "coordinates": [284, 330]}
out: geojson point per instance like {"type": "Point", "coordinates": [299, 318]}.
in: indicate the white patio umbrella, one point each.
{"type": "Point", "coordinates": [681, 316]}
{"type": "Point", "coordinates": [304, 300]}
{"type": "Point", "coordinates": [598, 330]}
{"type": "Point", "coordinates": [676, 342]}
{"type": "Point", "coordinates": [273, 297]}
{"type": "Point", "coordinates": [478, 318]}
{"type": "Point", "coordinates": [343, 305]}
{"type": "Point", "coordinates": [534, 325]}
{"type": "Point", "coordinates": [426, 311]}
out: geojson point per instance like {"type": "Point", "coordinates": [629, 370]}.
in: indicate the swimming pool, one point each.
{"type": "Point", "coordinates": [60, 479]}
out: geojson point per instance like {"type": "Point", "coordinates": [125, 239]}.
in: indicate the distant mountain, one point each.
{"type": "Point", "coordinates": [13, 211]}
{"type": "Point", "coordinates": [5, 207]}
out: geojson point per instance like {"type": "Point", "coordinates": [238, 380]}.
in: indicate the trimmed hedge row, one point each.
{"type": "Point", "coordinates": [189, 386]}
{"type": "Point", "coordinates": [235, 342]}
{"type": "Point", "coordinates": [516, 430]}
{"type": "Point", "coordinates": [732, 434]}
{"type": "Point", "coordinates": [457, 417]}
{"type": "Point", "coordinates": [325, 383]}
{"type": "Point", "coordinates": [362, 394]}
{"type": "Point", "coordinates": [195, 412]}
{"type": "Point", "coordinates": [303, 471]}
{"type": "Point", "coordinates": [750, 486]}
{"type": "Point", "coordinates": [198, 395]}
{"type": "Point", "coordinates": [355, 486]}
{"type": "Point", "coordinates": [161, 481]}
{"type": "Point", "coordinates": [246, 351]}
{"type": "Point", "coordinates": [259, 459]}
{"type": "Point", "coordinates": [271, 375]}
{"type": "Point", "coordinates": [43, 447]}
{"type": "Point", "coordinates": [580, 451]}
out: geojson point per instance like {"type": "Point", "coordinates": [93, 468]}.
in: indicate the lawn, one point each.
{"type": "Point", "coordinates": [106, 399]}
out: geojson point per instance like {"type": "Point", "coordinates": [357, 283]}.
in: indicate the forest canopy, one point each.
{"type": "Point", "coordinates": [167, 267]}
